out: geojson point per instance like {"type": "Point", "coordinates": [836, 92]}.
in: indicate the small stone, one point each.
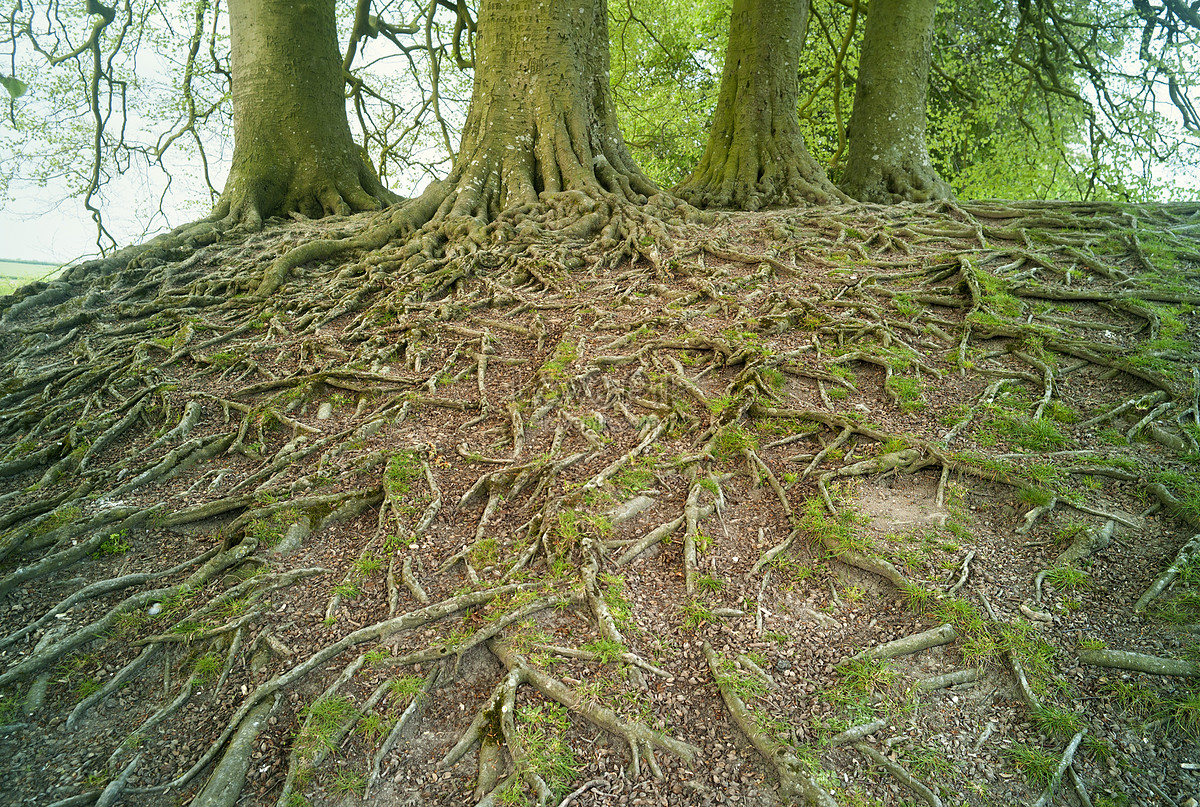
{"type": "Point", "coordinates": [325, 411]}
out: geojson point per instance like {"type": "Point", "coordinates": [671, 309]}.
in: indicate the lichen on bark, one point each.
{"type": "Point", "coordinates": [541, 139]}
{"type": "Point", "coordinates": [756, 155]}
{"type": "Point", "coordinates": [293, 150]}
{"type": "Point", "coordinates": [888, 159]}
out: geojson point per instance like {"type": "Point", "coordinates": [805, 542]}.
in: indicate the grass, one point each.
{"type": "Point", "coordinates": [907, 391]}
{"type": "Point", "coordinates": [1059, 723]}
{"type": "Point", "coordinates": [745, 686]}
{"type": "Point", "coordinates": [1037, 764]}
{"type": "Point", "coordinates": [405, 687]}
{"type": "Point", "coordinates": [1185, 714]}
{"type": "Point", "coordinates": [618, 604]}
{"type": "Point", "coordinates": [323, 720]}
{"type": "Point", "coordinates": [86, 687]}
{"type": "Point", "coordinates": [1068, 578]}
{"type": "Point", "coordinates": [270, 531]}
{"type": "Point", "coordinates": [838, 532]}
{"type": "Point", "coordinates": [606, 650]}
{"type": "Point", "coordinates": [541, 729]}
{"type": "Point", "coordinates": [403, 468]}
{"type": "Point", "coordinates": [695, 614]}
{"type": "Point", "coordinates": [564, 354]}
{"type": "Point", "coordinates": [350, 782]}
{"type": "Point", "coordinates": [634, 478]}
{"type": "Point", "coordinates": [731, 439]}
{"type": "Point", "coordinates": [14, 274]}
{"type": "Point", "coordinates": [207, 667]}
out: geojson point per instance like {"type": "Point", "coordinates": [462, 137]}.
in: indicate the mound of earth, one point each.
{"type": "Point", "coordinates": [855, 505]}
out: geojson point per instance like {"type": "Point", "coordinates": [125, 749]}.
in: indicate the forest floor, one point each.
{"type": "Point", "coordinates": [520, 526]}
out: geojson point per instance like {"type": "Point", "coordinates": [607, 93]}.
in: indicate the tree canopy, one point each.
{"type": "Point", "coordinates": [1033, 100]}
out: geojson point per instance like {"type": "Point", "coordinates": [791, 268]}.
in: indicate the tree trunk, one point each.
{"type": "Point", "coordinates": [888, 161]}
{"type": "Point", "coordinates": [541, 128]}
{"type": "Point", "coordinates": [293, 150]}
{"type": "Point", "coordinates": [755, 154]}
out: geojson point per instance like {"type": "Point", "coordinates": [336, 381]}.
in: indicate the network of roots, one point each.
{"type": "Point", "coordinates": [525, 520]}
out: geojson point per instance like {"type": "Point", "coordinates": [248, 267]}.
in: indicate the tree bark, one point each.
{"type": "Point", "coordinates": [888, 161]}
{"type": "Point", "coordinates": [293, 151]}
{"type": "Point", "coordinates": [756, 154]}
{"type": "Point", "coordinates": [541, 128]}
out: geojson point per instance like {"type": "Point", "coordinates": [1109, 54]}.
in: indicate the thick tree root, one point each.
{"type": "Point", "coordinates": [1139, 662]}
{"type": "Point", "coordinates": [907, 645]}
{"type": "Point", "coordinates": [225, 784]}
{"type": "Point", "coordinates": [1187, 553]}
{"type": "Point", "coordinates": [899, 773]}
{"type": "Point", "coordinates": [795, 782]}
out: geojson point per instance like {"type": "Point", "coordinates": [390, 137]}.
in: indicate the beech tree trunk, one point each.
{"type": "Point", "coordinates": [888, 161]}
{"type": "Point", "coordinates": [293, 150]}
{"type": "Point", "coordinates": [755, 154]}
{"type": "Point", "coordinates": [541, 128]}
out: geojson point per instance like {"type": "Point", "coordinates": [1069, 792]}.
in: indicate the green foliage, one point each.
{"type": "Point", "coordinates": [634, 478]}
{"type": "Point", "coordinates": [665, 78]}
{"type": "Point", "coordinates": [695, 614]}
{"type": "Point", "coordinates": [270, 530]}
{"type": "Point", "coordinates": [556, 366]}
{"type": "Point", "coordinates": [207, 667]}
{"type": "Point", "coordinates": [907, 391]}
{"type": "Point", "coordinates": [542, 729]}
{"type": "Point", "coordinates": [614, 598]}
{"type": "Point", "coordinates": [839, 531]}
{"type": "Point", "coordinates": [56, 519]}
{"type": "Point", "coordinates": [1039, 435]}
{"type": "Point", "coordinates": [731, 439]}
{"type": "Point", "coordinates": [1067, 578]}
{"type": "Point", "coordinates": [115, 544]}
{"type": "Point", "coordinates": [347, 590]}
{"type": "Point", "coordinates": [323, 719]}
{"type": "Point", "coordinates": [1057, 722]}
{"type": "Point", "coordinates": [403, 468]}
{"type": "Point", "coordinates": [606, 650]}
{"type": "Point", "coordinates": [348, 781]}
{"type": "Point", "coordinates": [405, 687]}
{"type": "Point", "coordinates": [86, 687]}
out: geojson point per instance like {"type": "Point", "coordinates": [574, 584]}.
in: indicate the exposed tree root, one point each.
{"type": "Point", "coordinates": [1186, 554]}
{"type": "Point", "coordinates": [1125, 660]}
{"type": "Point", "coordinates": [548, 429]}
{"type": "Point", "coordinates": [907, 645]}
{"type": "Point", "coordinates": [796, 783]}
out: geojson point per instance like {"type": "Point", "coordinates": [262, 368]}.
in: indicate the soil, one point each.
{"type": "Point", "coordinates": [461, 418]}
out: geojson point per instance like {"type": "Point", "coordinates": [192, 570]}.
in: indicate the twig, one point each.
{"type": "Point", "coordinates": [964, 572]}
